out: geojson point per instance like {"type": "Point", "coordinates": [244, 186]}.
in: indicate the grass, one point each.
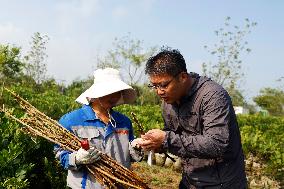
{"type": "Point", "coordinates": [157, 177]}
{"type": "Point", "coordinates": [166, 178]}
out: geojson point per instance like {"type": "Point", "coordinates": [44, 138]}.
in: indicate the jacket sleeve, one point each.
{"type": "Point", "coordinates": [66, 158]}
{"type": "Point", "coordinates": [212, 143]}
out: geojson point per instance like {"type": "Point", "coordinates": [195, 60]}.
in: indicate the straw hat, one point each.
{"type": "Point", "coordinates": [107, 81]}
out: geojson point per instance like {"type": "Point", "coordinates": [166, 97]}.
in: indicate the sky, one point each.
{"type": "Point", "coordinates": [82, 30]}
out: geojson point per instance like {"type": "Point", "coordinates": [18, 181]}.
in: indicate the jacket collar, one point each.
{"type": "Point", "coordinates": [89, 114]}
{"type": "Point", "coordinates": [198, 81]}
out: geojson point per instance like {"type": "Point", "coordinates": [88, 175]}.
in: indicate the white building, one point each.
{"type": "Point", "coordinates": [240, 110]}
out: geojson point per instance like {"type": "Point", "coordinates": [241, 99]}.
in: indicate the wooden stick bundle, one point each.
{"type": "Point", "coordinates": [106, 171]}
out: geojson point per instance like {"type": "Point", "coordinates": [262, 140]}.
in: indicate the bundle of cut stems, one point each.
{"type": "Point", "coordinates": [106, 171]}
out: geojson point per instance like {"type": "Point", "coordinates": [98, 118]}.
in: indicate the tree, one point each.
{"type": "Point", "coordinates": [10, 64]}
{"type": "Point", "coordinates": [128, 55]}
{"type": "Point", "coordinates": [237, 97]}
{"type": "Point", "coordinates": [271, 100]}
{"type": "Point", "coordinates": [35, 67]}
{"type": "Point", "coordinates": [110, 60]}
{"type": "Point", "coordinates": [77, 87]}
{"type": "Point", "coordinates": [281, 81]}
{"type": "Point", "coordinates": [146, 96]}
{"type": "Point", "coordinates": [227, 70]}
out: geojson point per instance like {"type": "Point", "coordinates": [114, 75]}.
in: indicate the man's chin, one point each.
{"type": "Point", "coordinates": [168, 101]}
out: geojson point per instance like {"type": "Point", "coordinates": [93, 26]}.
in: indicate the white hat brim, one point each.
{"type": "Point", "coordinates": [98, 90]}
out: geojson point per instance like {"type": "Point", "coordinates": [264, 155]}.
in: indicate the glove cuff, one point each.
{"type": "Point", "coordinates": [72, 161]}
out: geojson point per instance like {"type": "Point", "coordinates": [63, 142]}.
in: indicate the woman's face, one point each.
{"type": "Point", "coordinates": [110, 100]}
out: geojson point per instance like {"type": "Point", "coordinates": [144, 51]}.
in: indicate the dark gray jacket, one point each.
{"type": "Point", "coordinates": [203, 131]}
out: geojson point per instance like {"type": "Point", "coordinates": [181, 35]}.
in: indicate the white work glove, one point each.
{"type": "Point", "coordinates": [87, 156]}
{"type": "Point", "coordinates": [136, 151]}
{"type": "Point", "coordinates": [136, 143]}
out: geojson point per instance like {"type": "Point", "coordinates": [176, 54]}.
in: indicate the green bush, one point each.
{"type": "Point", "coordinates": [27, 163]}
{"type": "Point", "coordinates": [13, 148]}
{"type": "Point", "coordinates": [149, 116]}
{"type": "Point", "coordinates": [264, 137]}
{"type": "Point", "coordinates": [146, 96]}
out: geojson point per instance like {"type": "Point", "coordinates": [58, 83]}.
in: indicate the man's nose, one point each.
{"type": "Point", "coordinates": [160, 92]}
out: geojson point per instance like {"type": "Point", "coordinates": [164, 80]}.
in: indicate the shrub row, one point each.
{"type": "Point", "coordinates": [26, 163]}
{"type": "Point", "coordinates": [264, 137]}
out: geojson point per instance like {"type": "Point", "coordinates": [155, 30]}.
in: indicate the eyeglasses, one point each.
{"type": "Point", "coordinates": [164, 85]}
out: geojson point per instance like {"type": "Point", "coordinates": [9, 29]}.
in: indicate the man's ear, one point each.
{"type": "Point", "coordinates": [184, 76]}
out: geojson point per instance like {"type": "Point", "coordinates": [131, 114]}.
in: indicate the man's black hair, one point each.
{"type": "Point", "coordinates": [167, 61]}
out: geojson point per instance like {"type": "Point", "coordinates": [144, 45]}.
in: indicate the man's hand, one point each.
{"type": "Point", "coordinates": [153, 139]}
{"type": "Point", "coordinates": [87, 156]}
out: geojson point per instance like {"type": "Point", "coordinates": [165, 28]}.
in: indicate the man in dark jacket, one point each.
{"type": "Point", "coordinates": [200, 125]}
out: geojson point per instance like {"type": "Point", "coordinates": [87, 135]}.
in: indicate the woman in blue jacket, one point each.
{"type": "Point", "coordinates": [107, 131]}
